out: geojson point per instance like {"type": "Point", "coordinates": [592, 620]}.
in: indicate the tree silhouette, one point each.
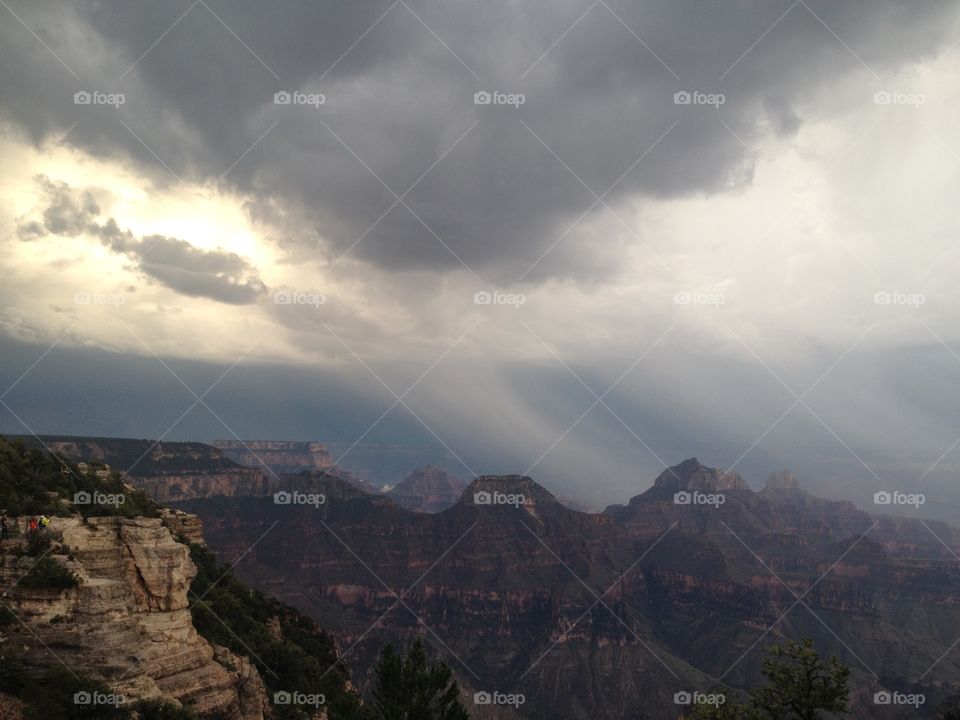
{"type": "Point", "coordinates": [411, 688]}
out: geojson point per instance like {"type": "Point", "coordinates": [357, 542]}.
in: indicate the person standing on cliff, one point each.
{"type": "Point", "coordinates": [4, 530]}
{"type": "Point", "coordinates": [33, 526]}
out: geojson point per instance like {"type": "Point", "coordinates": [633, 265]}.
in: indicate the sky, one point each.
{"type": "Point", "coordinates": [577, 241]}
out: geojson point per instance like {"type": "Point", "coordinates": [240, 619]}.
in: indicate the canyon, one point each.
{"type": "Point", "coordinates": [594, 614]}
{"type": "Point", "coordinates": [607, 615]}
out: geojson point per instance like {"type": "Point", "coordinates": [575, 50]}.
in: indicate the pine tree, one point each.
{"type": "Point", "coordinates": [799, 686]}
{"type": "Point", "coordinates": [411, 688]}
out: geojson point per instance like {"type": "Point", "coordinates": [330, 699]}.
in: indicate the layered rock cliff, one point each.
{"type": "Point", "coordinates": [136, 456]}
{"type": "Point", "coordinates": [280, 456]}
{"type": "Point", "coordinates": [180, 486]}
{"type": "Point", "coordinates": [127, 621]}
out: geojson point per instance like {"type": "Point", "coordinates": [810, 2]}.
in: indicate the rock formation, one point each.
{"type": "Point", "coordinates": [280, 456]}
{"type": "Point", "coordinates": [428, 489]}
{"type": "Point", "coordinates": [183, 525]}
{"type": "Point", "coordinates": [782, 480]}
{"type": "Point", "coordinates": [127, 621]}
{"type": "Point", "coordinates": [690, 475]}
{"type": "Point", "coordinates": [180, 486]}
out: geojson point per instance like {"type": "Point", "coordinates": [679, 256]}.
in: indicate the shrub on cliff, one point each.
{"type": "Point", "coordinates": [65, 695]}
{"type": "Point", "coordinates": [48, 573]}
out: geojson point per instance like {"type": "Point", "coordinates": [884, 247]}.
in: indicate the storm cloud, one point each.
{"type": "Point", "coordinates": [738, 207]}
{"type": "Point", "coordinates": [398, 165]}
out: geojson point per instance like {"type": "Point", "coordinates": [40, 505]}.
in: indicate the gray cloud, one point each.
{"type": "Point", "coordinates": [68, 213]}
{"type": "Point", "coordinates": [215, 274]}
{"type": "Point", "coordinates": [399, 99]}
{"type": "Point", "coordinates": [200, 103]}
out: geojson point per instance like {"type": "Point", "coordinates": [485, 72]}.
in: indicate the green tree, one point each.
{"type": "Point", "coordinates": [799, 686]}
{"type": "Point", "coordinates": [411, 688]}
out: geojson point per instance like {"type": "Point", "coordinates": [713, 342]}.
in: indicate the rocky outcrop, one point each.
{"type": "Point", "coordinates": [183, 525]}
{"type": "Point", "coordinates": [429, 489]}
{"type": "Point", "coordinates": [177, 487]}
{"type": "Point", "coordinates": [252, 693]}
{"type": "Point", "coordinates": [691, 476]}
{"type": "Point", "coordinates": [137, 456]}
{"type": "Point", "coordinates": [782, 480]}
{"type": "Point", "coordinates": [127, 621]}
{"type": "Point", "coordinates": [280, 456]}
{"type": "Point", "coordinates": [523, 487]}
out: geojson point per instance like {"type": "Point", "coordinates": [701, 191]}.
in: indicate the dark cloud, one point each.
{"type": "Point", "coordinates": [600, 98]}
{"type": "Point", "coordinates": [68, 213]}
{"type": "Point", "coordinates": [215, 274]}
{"type": "Point", "coordinates": [180, 266]}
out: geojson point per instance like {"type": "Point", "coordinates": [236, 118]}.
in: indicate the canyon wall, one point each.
{"type": "Point", "coordinates": [280, 456]}
{"type": "Point", "coordinates": [127, 621]}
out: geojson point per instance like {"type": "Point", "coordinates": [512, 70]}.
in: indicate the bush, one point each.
{"type": "Point", "coordinates": [48, 573]}
{"type": "Point", "coordinates": [38, 543]}
{"type": "Point", "coordinates": [53, 698]}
